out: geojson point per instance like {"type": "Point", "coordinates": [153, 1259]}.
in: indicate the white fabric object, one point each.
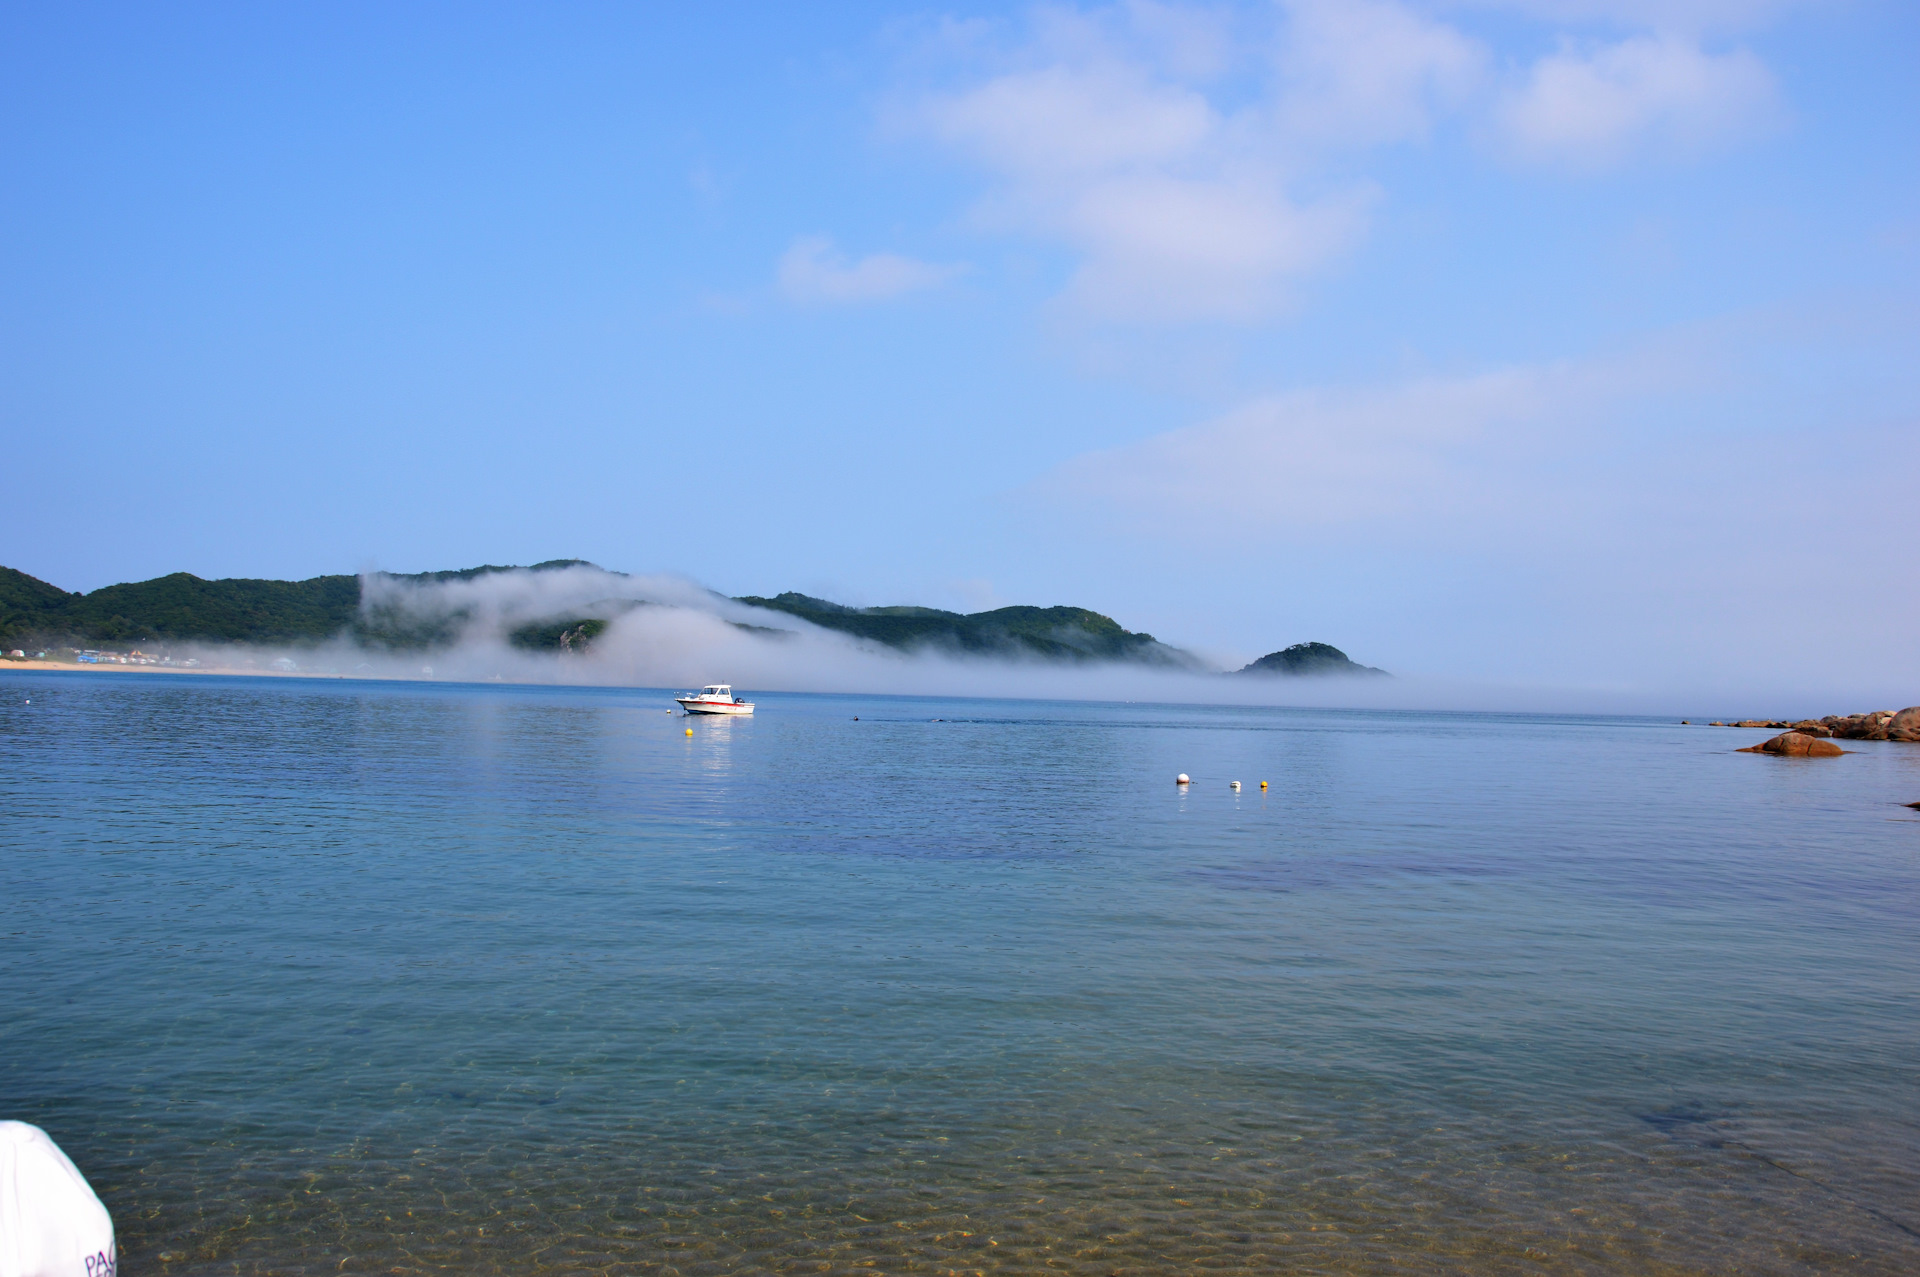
{"type": "Point", "coordinates": [51, 1224]}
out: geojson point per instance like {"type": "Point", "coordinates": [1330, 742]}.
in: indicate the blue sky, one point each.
{"type": "Point", "coordinates": [1567, 341]}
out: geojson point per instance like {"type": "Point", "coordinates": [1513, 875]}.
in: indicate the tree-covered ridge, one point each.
{"type": "Point", "coordinates": [178, 606]}
{"type": "Point", "coordinates": [182, 606]}
{"type": "Point", "coordinates": [389, 611]}
{"type": "Point", "coordinates": [468, 574]}
{"type": "Point", "coordinates": [24, 602]}
{"type": "Point", "coordinates": [1056, 633]}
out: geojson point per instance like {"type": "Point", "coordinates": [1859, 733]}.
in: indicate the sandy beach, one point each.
{"type": "Point", "coordinates": [114, 667]}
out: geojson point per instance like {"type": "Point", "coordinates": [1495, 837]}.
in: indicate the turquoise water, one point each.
{"type": "Point", "coordinates": [320, 977]}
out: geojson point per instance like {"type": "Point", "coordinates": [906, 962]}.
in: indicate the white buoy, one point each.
{"type": "Point", "coordinates": [1182, 779]}
{"type": "Point", "coordinates": [1234, 785]}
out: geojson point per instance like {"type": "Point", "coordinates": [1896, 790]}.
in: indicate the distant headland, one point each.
{"type": "Point", "coordinates": [1051, 633]}
{"type": "Point", "coordinates": [372, 611]}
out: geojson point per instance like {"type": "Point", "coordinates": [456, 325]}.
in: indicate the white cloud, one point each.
{"type": "Point", "coordinates": [1596, 108]}
{"type": "Point", "coordinates": [1704, 414]}
{"type": "Point", "coordinates": [1316, 459]}
{"type": "Point", "coordinates": [1182, 39]}
{"type": "Point", "coordinates": [1199, 164]}
{"type": "Point", "coordinates": [1100, 133]}
{"type": "Point", "coordinates": [1693, 16]}
{"type": "Point", "coordinates": [1162, 247]}
{"type": "Point", "coordinates": [1365, 71]}
{"type": "Point", "coordinates": [813, 271]}
{"type": "Point", "coordinates": [1060, 122]}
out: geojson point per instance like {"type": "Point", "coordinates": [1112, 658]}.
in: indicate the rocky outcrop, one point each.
{"type": "Point", "coordinates": [1869, 726]}
{"type": "Point", "coordinates": [1796, 745]}
{"type": "Point", "coordinates": [1879, 724]}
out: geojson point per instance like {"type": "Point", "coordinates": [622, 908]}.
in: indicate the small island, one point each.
{"type": "Point", "coordinates": [1310, 660]}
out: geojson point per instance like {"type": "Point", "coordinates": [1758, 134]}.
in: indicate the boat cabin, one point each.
{"type": "Point", "coordinates": [714, 698]}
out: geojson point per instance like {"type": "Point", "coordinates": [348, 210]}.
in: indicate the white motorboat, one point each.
{"type": "Point", "coordinates": [717, 699]}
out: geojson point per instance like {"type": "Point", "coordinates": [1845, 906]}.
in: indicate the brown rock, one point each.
{"type": "Point", "coordinates": [1753, 722]}
{"type": "Point", "coordinates": [1857, 727]}
{"type": "Point", "coordinates": [1905, 725]}
{"type": "Point", "coordinates": [1810, 728]}
{"type": "Point", "coordinates": [1796, 745]}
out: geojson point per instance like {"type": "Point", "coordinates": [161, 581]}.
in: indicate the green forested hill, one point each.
{"type": "Point", "coordinates": [239, 610]}
{"type": "Point", "coordinates": [177, 606]}
{"type": "Point", "coordinates": [1058, 633]}
{"type": "Point", "coordinates": [1308, 659]}
{"type": "Point", "coordinates": [467, 574]}
{"type": "Point", "coordinates": [182, 606]}
{"type": "Point", "coordinates": [24, 600]}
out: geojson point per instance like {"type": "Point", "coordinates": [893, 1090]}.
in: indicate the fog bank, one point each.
{"type": "Point", "coordinates": [666, 631]}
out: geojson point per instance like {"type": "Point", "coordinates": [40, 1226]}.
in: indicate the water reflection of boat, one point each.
{"type": "Point", "coordinates": [716, 699]}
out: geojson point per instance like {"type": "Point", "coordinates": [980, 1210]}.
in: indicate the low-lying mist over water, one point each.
{"type": "Point", "coordinates": [582, 624]}
{"type": "Point", "coordinates": [572, 622]}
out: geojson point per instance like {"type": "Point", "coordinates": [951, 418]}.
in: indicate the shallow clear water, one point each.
{"type": "Point", "coordinates": [316, 977]}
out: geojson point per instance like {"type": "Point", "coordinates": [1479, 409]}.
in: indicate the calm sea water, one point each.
{"type": "Point", "coordinates": [316, 977]}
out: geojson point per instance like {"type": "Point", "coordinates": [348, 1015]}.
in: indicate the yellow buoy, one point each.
{"type": "Point", "coordinates": [1263, 784]}
{"type": "Point", "coordinates": [689, 731]}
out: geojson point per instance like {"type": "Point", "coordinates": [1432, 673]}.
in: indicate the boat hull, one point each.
{"type": "Point", "coordinates": [694, 705]}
